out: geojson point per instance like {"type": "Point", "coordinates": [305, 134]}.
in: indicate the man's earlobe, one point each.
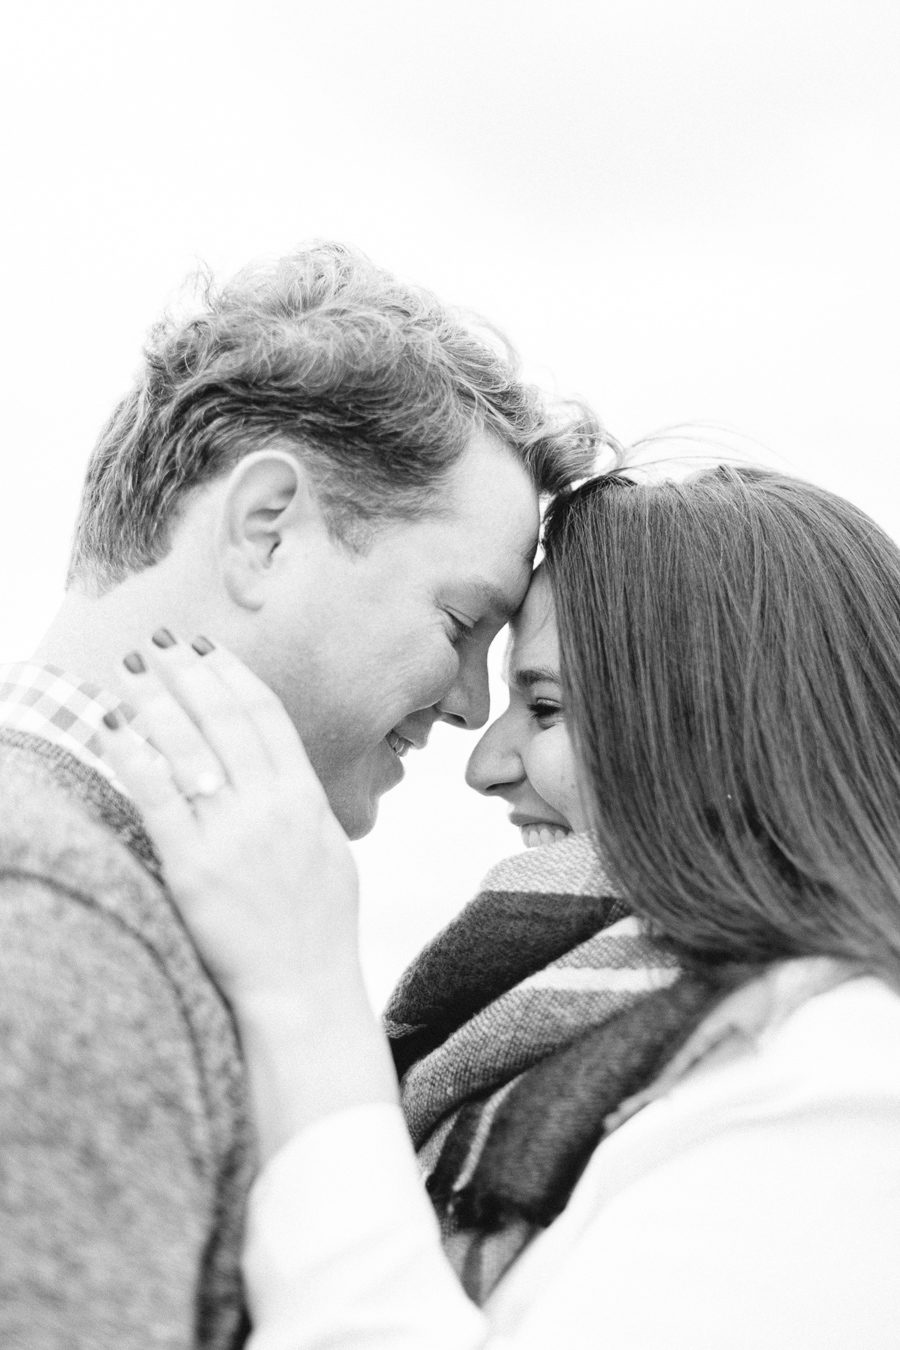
{"type": "Point", "coordinates": [267, 497]}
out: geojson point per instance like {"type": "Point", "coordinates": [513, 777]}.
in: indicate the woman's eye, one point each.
{"type": "Point", "coordinates": [545, 713]}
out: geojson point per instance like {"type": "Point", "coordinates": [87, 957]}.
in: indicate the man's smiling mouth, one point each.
{"type": "Point", "coordinates": [398, 743]}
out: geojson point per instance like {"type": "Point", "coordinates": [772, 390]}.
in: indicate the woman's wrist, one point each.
{"type": "Point", "coordinates": [311, 1051]}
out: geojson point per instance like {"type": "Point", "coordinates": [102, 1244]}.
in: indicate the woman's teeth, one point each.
{"type": "Point", "coordinates": [536, 836]}
{"type": "Point", "coordinates": [397, 743]}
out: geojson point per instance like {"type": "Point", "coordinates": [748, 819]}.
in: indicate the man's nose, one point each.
{"type": "Point", "coordinates": [494, 763]}
{"type": "Point", "coordinates": [468, 701]}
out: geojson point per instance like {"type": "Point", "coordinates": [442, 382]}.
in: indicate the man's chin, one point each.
{"type": "Point", "coordinates": [356, 816]}
{"type": "Point", "coordinates": [359, 826]}
{"type": "Point", "coordinates": [355, 799]}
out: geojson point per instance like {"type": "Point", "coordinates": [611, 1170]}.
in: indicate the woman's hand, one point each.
{"type": "Point", "coordinates": [261, 872]}
{"type": "Point", "coordinates": [251, 850]}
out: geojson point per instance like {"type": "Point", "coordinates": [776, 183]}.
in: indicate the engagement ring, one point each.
{"type": "Point", "coordinates": [207, 785]}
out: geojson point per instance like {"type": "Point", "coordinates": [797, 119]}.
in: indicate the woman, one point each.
{"type": "Point", "coordinates": [703, 1149]}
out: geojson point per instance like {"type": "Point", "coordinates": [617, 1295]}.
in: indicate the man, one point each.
{"type": "Point", "coordinates": [331, 474]}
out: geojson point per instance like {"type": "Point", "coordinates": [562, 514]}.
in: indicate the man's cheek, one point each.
{"type": "Point", "coordinates": [437, 678]}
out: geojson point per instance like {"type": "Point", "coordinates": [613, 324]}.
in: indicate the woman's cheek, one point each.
{"type": "Point", "coordinates": [575, 809]}
{"type": "Point", "coordinates": [551, 771]}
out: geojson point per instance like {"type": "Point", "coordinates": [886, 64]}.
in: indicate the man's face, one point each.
{"type": "Point", "coordinates": [368, 650]}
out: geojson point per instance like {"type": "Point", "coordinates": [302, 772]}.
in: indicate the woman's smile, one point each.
{"type": "Point", "coordinates": [539, 833]}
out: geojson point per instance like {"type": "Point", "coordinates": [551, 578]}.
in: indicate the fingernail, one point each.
{"type": "Point", "coordinates": [202, 646]}
{"type": "Point", "coordinates": [135, 663]}
{"type": "Point", "coordinates": [113, 720]}
{"type": "Point", "coordinates": [163, 638]}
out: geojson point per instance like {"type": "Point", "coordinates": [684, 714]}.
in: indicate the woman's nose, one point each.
{"type": "Point", "coordinates": [495, 763]}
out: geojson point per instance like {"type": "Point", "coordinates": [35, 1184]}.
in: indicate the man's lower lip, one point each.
{"type": "Point", "coordinates": [394, 756]}
{"type": "Point", "coordinates": [407, 745]}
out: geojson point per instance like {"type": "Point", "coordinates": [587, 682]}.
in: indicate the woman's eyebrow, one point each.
{"type": "Point", "coordinates": [531, 675]}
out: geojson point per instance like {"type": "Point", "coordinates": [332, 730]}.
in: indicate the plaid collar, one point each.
{"type": "Point", "coordinates": [47, 702]}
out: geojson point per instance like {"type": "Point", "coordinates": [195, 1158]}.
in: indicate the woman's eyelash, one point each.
{"type": "Point", "coordinates": [542, 710]}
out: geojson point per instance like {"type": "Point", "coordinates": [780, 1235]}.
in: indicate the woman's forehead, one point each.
{"type": "Point", "coordinates": [532, 633]}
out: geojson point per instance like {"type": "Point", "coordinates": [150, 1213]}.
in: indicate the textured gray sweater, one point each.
{"type": "Point", "coordinates": [125, 1146]}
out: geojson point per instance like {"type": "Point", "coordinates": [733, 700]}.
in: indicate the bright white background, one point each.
{"type": "Point", "coordinates": [678, 209]}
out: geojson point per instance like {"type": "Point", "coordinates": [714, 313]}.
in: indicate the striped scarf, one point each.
{"type": "Point", "coordinates": [517, 1033]}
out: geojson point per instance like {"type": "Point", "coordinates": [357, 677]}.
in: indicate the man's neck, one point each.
{"type": "Point", "coordinates": [89, 634]}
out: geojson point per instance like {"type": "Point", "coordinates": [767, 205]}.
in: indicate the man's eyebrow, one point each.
{"type": "Point", "coordinates": [492, 599]}
{"type": "Point", "coordinates": [532, 675]}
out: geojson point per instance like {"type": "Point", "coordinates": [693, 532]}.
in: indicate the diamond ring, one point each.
{"type": "Point", "coordinates": [207, 785]}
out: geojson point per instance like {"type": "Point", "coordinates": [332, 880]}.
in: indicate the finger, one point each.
{"type": "Point", "coordinates": [226, 725]}
{"type": "Point", "coordinates": [192, 762]}
{"type": "Point", "coordinates": [168, 815]}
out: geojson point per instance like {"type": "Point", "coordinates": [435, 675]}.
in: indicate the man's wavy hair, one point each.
{"type": "Point", "coordinates": [376, 385]}
{"type": "Point", "coordinates": [730, 646]}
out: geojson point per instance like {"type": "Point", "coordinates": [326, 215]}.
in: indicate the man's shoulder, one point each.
{"type": "Point", "coordinates": [123, 1109]}
{"type": "Point", "coordinates": [62, 825]}
{"type": "Point", "coordinates": [75, 891]}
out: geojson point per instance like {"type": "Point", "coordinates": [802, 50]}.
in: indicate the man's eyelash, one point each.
{"type": "Point", "coordinates": [460, 630]}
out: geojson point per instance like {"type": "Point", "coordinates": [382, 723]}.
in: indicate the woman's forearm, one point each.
{"type": "Point", "coordinates": [311, 1052]}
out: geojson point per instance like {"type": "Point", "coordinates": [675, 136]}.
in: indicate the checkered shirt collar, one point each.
{"type": "Point", "coordinates": [61, 708]}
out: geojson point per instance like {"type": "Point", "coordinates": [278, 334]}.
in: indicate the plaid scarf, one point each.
{"type": "Point", "coordinates": [517, 1033]}
{"type": "Point", "coordinates": [539, 1021]}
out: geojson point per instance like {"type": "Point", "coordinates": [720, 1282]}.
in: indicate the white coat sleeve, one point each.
{"type": "Point", "coordinates": [343, 1248]}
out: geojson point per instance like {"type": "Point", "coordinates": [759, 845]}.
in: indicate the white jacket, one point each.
{"type": "Point", "coordinates": [755, 1204]}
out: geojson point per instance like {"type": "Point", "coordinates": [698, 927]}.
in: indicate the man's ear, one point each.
{"type": "Point", "coordinates": [267, 499]}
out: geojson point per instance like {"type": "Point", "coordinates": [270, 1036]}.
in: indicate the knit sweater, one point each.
{"type": "Point", "coordinates": [126, 1151]}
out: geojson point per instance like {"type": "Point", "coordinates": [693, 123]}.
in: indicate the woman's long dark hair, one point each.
{"type": "Point", "coordinates": [731, 651]}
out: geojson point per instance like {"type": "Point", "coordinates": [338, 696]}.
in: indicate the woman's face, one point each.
{"type": "Point", "coordinates": [526, 756]}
